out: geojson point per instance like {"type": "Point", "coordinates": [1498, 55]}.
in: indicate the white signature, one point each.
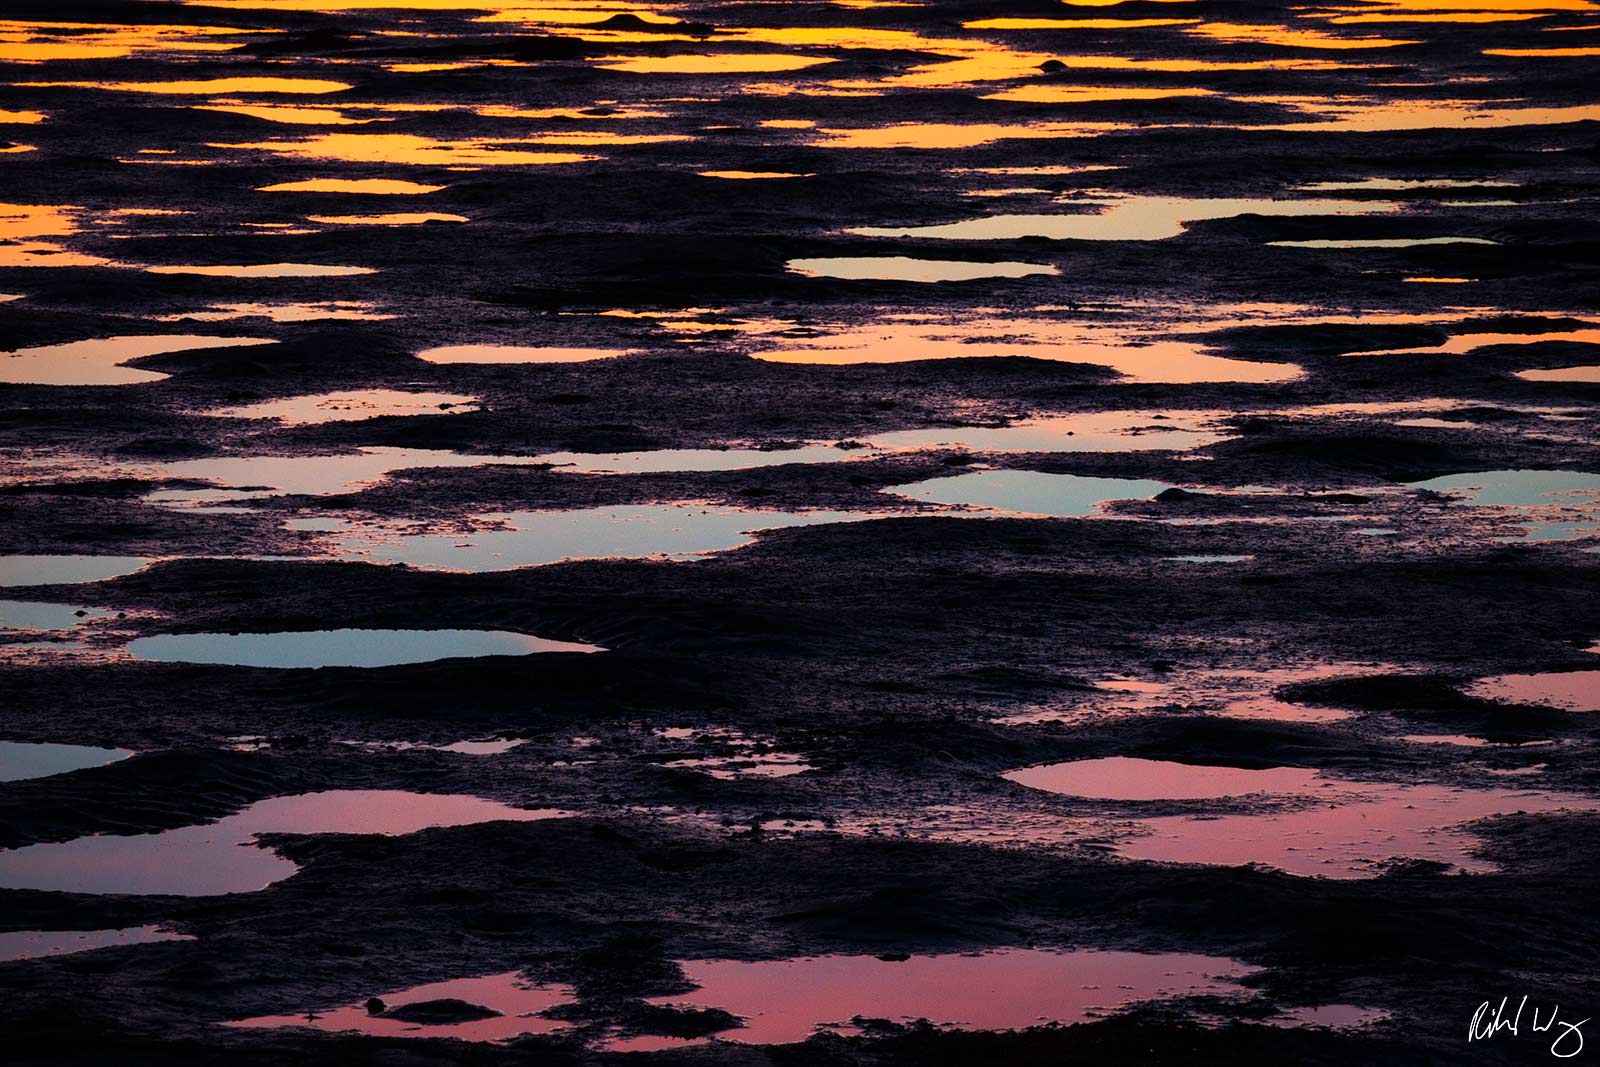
{"type": "Point", "coordinates": [1491, 1020]}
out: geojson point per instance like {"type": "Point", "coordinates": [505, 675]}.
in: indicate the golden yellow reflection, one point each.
{"type": "Point", "coordinates": [266, 270]}
{"type": "Point", "coordinates": [362, 186]}
{"type": "Point", "coordinates": [214, 86]}
{"type": "Point", "coordinates": [408, 149]}
{"type": "Point", "coordinates": [426, 68]}
{"type": "Point", "coordinates": [760, 63]}
{"type": "Point", "coordinates": [20, 118]}
{"type": "Point", "coordinates": [1284, 37]}
{"type": "Point", "coordinates": [287, 113]}
{"type": "Point", "coordinates": [39, 42]}
{"type": "Point", "coordinates": [1088, 94]}
{"type": "Point", "coordinates": [1072, 24]}
{"type": "Point", "coordinates": [604, 111]}
{"type": "Point", "coordinates": [399, 218]}
{"type": "Point", "coordinates": [1192, 66]}
{"type": "Point", "coordinates": [16, 149]}
{"type": "Point", "coordinates": [749, 175]}
{"type": "Point", "coordinates": [1441, 16]}
{"type": "Point", "coordinates": [1553, 53]}
{"type": "Point", "coordinates": [1368, 115]}
{"type": "Point", "coordinates": [1438, 281]}
{"type": "Point", "coordinates": [788, 124]}
{"type": "Point", "coordinates": [936, 135]}
{"type": "Point", "coordinates": [23, 228]}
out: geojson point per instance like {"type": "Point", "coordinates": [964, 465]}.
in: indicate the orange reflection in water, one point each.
{"type": "Point", "coordinates": [287, 113]}
{"type": "Point", "coordinates": [1090, 94]}
{"type": "Point", "coordinates": [750, 175]}
{"type": "Point", "coordinates": [361, 186]}
{"type": "Point", "coordinates": [410, 150]}
{"type": "Point", "coordinates": [1373, 115]}
{"type": "Point", "coordinates": [1549, 53]}
{"type": "Point", "coordinates": [309, 86]}
{"type": "Point", "coordinates": [23, 225]}
{"type": "Point", "coordinates": [1072, 24]}
{"type": "Point", "coordinates": [39, 42]}
{"type": "Point", "coordinates": [1284, 37]}
{"type": "Point", "coordinates": [713, 63]}
{"type": "Point", "coordinates": [937, 135]}
{"type": "Point", "coordinates": [20, 118]}
{"type": "Point", "coordinates": [416, 218]}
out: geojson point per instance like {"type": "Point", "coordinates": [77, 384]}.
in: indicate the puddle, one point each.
{"type": "Point", "coordinates": [22, 760]}
{"type": "Point", "coordinates": [1114, 431]}
{"type": "Point", "coordinates": [356, 186]}
{"type": "Point", "coordinates": [1383, 242]}
{"type": "Point", "coordinates": [412, 150]}
{"type": "Point", "coordinates": [907, 269]}
{"type": "Point", "coordinates": [1585, 375]}
{"type": "Point", "coordinates": [219, 857]}
{"type": "Point", "coordinates": [1135, 354]}
{"type": "Point", "coordinates": [31, 615]}
{"type": "Point", "coordinates": [1029, 492]}
{"type": "Point", "coordinates": [99, 361]}
{"type": "Point", "coordinates": [711, 63]}
{"type": "Point", "coordinates": [312, 311]}
{"type": "Point", "coordinates": [1569, 690]}
{"type": "Point", "coordinates": [267, 270]}
{"type": "Point", "coordinates": [1133, 219]}
{"type": "Point", "coordinates": [509, 1007]}
{"type": "Point", "coordinates": [1557, 505]}
{"type": "Point", "coordinates": [342, 648]}
{"type": "Point", "coordinates": [1127, 778]}
{"type": "Point", "coordinates": [489, 747]}
{"type": "Point", "coordinates": [517, 354]}
{"type": "Point", "coordinates": [67, 570]}
{"type": "Point", "coordinates": [36, 944]}
{"type": "Point", "coordinates": [399, 218]}
{"type": "Point", "coordinates": [213, 86]}
{"type": "Point", "coordinates": [785, 1001]}
{"type": "Point", "coordinates": [681, 531]}
{"type": "Point", "coordinates": [351, 406]}
{"type": "Point", "coordinates": [246, 477]}
{"type": "Point", "coordinates": [1373, 824]}
{"type": "Point", "coordinates": [1206, 559]}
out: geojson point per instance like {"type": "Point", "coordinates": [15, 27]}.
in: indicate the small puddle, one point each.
{"type": "Point", "coordinates": [267, 270]}
{"type": "Point", "coordinates": [67, 570]}
{"type": "Point", "coordinates": [1584, 375]}
{"type": "Point", "coordinates": [36, 944]}
{"type": "Point", "coordinates": [28, 615]}
{"type": "Point", "coordinates": [1029, 492]}
{"type": "Point", "coordinates": [785, 1001]}
{"type": "Point", "coordinates": [23, 760]}
{"type": "Point", "coordinates": [351, 406]}
{"type": "Point", "coordinates": [502, 354]}
{"type": "Point", "coordinates": [907, 269]}
{"type": "Point", "coordinates": [342, 648]}
{"type": "Point", "coordinates": [220, 857]}
{"type": "Point", "coordinates": [1127, 778]}
{"type": "Point", "coordinates": [682, 531]}
{"type": "Point", "coordinates": [1559, 504]}
{"type": "Point", "coordinates": [1568, 690]}
{"type": "Point", "coordinates": [100, 361]}
{"type": "Point", "coordinates": [489, 747]}
{"type": "Point", "coordinates": [495, 1007]}
{"type": "Point", "coordinates": [1138, 218]}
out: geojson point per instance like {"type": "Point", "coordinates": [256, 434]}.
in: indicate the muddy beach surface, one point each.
{"type": "Point", "coordinates": [816, 533]}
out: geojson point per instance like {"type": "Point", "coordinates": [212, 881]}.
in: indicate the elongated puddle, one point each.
{"type": "Point", "coordinates": [1100, 431]}
{"type": "Point", "coordinates": [1030, 492]}
{"type": "Point", "coordinates": [36, 944]}
{"type": "Point", "coordinates": [29, 615]}
{"type": "Point", "coordinates": [342, 648]}
{"type": "Point", "coordinates": [784, 1001]}
{"type": "Point", "coordinates": [351, 406]}
{"type": "Point", "coordinates": [219, 857]}
{"type": "Point", "coordinates": [66, 570]}
{"type": "Point", "coordinates": [1556, 505]}
{"type": "Point", "coordinates": [511, 354]}
{"type": "Point", "coordinates": [908, 269]}
{"type": "Point", "coordinates": [494, 1007]}
{"type": "Point", "coordinates": [681, 531]}
{"type": "Point", "coordinates": [1317, 825]}
{"type": "Point", "coordinates": [1568, 690]}
{"type": "Point", "coordinates": [22, 760]}
{"type": "Point", "coordinates": [100, 361]}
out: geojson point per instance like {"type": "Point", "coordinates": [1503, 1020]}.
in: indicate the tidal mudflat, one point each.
{"type": "Point", "coordinates": [835, 532]}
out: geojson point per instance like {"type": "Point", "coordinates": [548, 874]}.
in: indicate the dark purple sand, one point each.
{"type": "Point", "coordinates": [1050, 310]}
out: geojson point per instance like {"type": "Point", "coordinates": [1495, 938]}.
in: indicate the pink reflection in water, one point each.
{"type": "Point", "coordinates": [1571, 690]}
{"type": "Point", "coordinates": [1127, 778]}
{"type": "Point", "coordinates": [783, 1001]}
{"type": "Point", "coordinates": [517, 1005]}
{"type": "Point", "coordinates": [221, 857]}
{"type": "Point", "coordinates": [1349, 840]}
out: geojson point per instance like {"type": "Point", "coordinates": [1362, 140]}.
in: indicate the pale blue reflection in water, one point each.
{"type": "Point", "coordinates": [66, 570]}
{"type": "Point", "coordinates": [1030, 492]}
{"type": "Point", "coordinates": [342, 648]}
{"type": "Point", "coordinates": [21, 760]}
{"type": "Point", "coordinates": [30, 615]}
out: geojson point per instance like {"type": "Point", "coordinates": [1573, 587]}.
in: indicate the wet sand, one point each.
{"type": "Point", "coordinates": [717, 532]}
